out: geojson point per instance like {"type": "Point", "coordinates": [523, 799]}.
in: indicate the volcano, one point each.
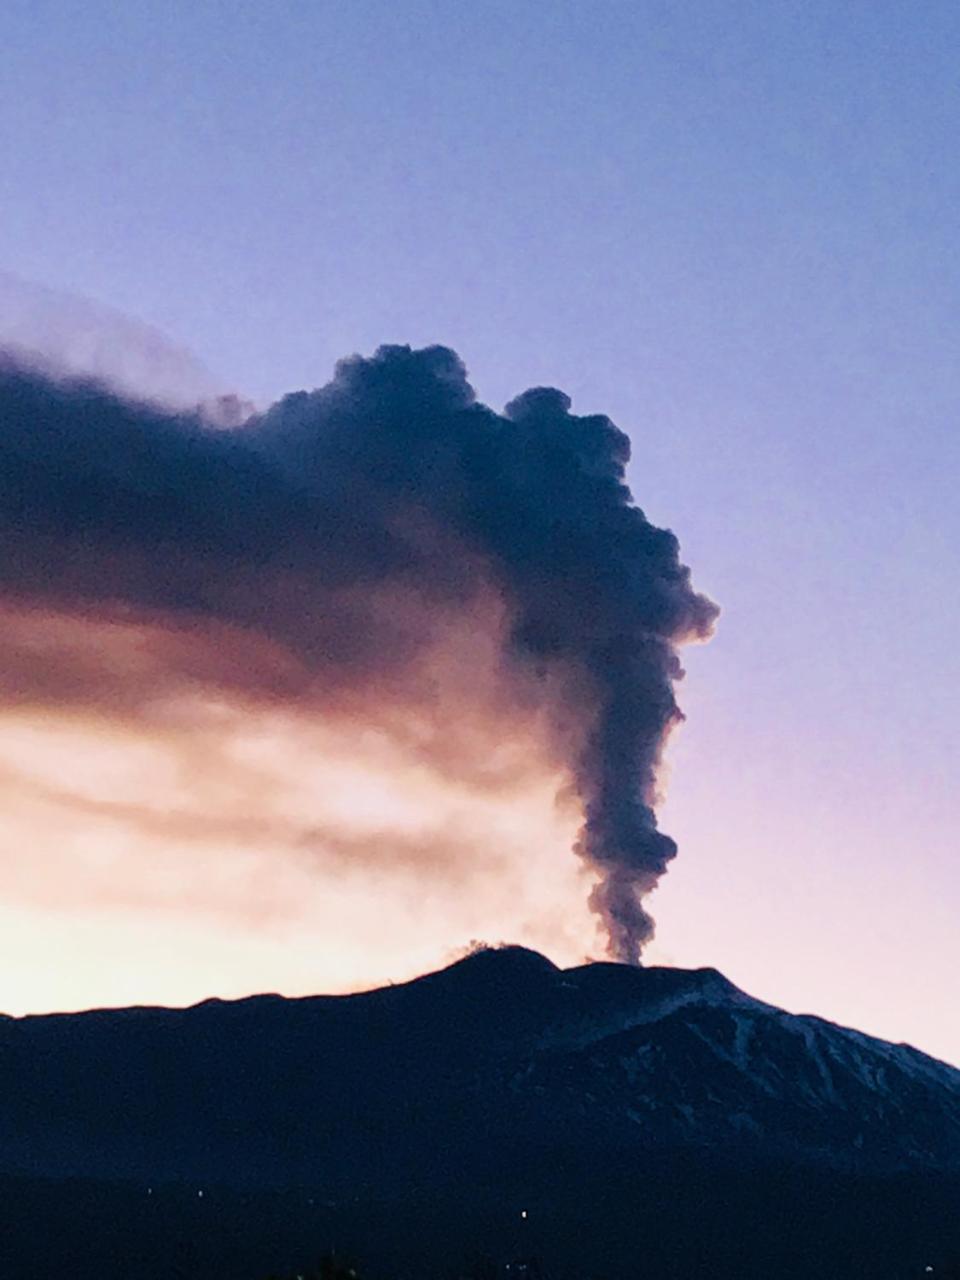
{"type": "Point", "coordinates": [615, 1115]}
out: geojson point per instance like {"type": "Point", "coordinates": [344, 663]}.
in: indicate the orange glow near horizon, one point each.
{"type": "Point", "coordinates": [318, 863]}
{"type": "Point", "coordinates": [223, 845]}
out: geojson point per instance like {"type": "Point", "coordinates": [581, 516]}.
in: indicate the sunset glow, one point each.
{"type": "Point", "coordinates": [199, 824]}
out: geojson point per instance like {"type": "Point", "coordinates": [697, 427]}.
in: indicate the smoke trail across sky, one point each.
{"type": "Point", "coordinates": [68, 335]}
{"type": "Point", "coordinates": [384, 551]}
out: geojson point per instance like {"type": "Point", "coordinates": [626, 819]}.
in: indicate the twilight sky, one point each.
{"type": "Point", "coordinates": [729, 226]}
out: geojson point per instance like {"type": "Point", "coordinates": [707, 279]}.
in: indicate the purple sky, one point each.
{"type": "Point", "coordinates": [732, 227]}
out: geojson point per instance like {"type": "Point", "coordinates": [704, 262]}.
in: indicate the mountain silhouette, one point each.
{"type": "Point", "coordinates": [598, 1094]}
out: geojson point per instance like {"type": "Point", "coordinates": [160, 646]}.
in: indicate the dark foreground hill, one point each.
{"type": "Point", "coordinates": [646, 1122]}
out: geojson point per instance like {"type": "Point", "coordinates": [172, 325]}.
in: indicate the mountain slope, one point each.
{"type": "Point", "coordinates": [499, 1060]}
{"type": "Point", "coordinates": [608, 1121]}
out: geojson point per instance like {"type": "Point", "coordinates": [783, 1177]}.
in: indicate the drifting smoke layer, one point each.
{"type": "Point", "coordinates": [70, 335]}
{"type": "Point", "coordinates": [340, 549]}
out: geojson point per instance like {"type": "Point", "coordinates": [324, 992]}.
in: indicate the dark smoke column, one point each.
{"type": "Point", "coordinates": [607, 597]}
{"type": "Point", "coordinates": [598, 597]}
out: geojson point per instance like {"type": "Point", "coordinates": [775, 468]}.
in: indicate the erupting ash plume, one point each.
{"type": "Point", "coordinates": [337, 548]}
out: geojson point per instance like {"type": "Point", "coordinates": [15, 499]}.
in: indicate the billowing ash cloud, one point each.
{"type": "Point", "coordinates": [336, 546]}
